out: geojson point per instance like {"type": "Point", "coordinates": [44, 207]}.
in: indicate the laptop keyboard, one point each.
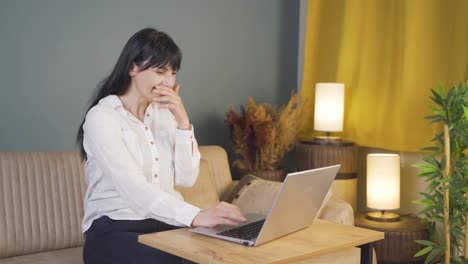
{"type": "Point", "coordinates": [245, 232]}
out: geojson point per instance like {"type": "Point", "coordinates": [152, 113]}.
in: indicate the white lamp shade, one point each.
{"type": "Point", "coordinates": [329, 107]}
{"type": "Point", "coordinates": [383, 181]}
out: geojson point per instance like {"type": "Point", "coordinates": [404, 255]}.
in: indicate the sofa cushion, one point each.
{"type": "Point", "coordinates": [70, 256]}
{"type": "Point", "coordinates": [41, 206]}
{"type": "Point", "coordinates": [203, 193]}
{"type": "Point", "coordinates": [218, 165]}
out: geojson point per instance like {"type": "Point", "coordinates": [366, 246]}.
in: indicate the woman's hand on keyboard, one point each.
{"type": "Point", "coordinates": [220, 214]}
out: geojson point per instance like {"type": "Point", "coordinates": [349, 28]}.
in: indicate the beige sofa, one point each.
{"type": "Point", "coordinates": [41, 205]}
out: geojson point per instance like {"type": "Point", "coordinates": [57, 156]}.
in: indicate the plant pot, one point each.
{"type": "Point", "coordinates": [271, 175]}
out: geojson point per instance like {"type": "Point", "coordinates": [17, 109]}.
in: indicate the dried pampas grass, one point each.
{"type": "Point", "coordinates": [261, 134]}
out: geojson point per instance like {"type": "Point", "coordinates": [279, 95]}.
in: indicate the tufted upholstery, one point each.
{"type": "Point", "coordinates": [42, 201]}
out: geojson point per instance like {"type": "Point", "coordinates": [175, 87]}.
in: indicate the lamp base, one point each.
{"type": "Point", "coordinates": [382, 216]}
{"type": "Point", "coordinates": [327, 139]}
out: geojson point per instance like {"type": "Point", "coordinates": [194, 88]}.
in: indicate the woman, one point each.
{"type": "Point", "coordinates": [138, 144]}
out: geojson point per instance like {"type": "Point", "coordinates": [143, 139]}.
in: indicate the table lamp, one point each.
{"type": "Point", "coordinates": [383, 186]}
{"type": "Point", "coordinates": [330, 150]}
{"type": "Point", "coordinates": [329, 109]}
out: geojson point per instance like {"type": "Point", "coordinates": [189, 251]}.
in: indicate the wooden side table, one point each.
{"type": "Point", "coordinates": [316, 154]}
{"type": "Point", "coordinates": [398, 245]}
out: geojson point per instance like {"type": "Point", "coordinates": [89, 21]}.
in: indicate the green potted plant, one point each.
{"type": "Point", "coordinates": [261, 134]}
{"type": "Point", "coordinates": [444, 201]}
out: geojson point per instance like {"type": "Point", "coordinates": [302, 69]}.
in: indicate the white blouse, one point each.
{"type": "Point", "coordinates": [133, 166]}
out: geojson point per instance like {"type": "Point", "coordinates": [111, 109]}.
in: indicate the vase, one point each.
{"type": "Point", "coordinates": [270, 175]}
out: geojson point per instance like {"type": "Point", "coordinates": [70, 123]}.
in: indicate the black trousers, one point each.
{"type": "Point", "coordinates": [116, 241]}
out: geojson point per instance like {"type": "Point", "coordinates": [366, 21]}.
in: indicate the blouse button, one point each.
{"type": "Point", "coordinates": [146, 128]}
{"type": "Point", "coordinates": [156, 159]}
{"type": "Point", "coordinates": [152, 142]}
{"type": "Point", "coordinates": [156, 175]}
{"type": "Point", "coordinates": [147, 115]}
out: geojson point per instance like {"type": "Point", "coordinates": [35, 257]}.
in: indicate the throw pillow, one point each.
{"type": "Point", "coordinates": [255, 195]}
{"type": "Point", "coordinates": [245, 181]}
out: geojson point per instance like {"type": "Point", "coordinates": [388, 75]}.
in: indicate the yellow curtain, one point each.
{"type": "Point", "coordinates": [389, 54]}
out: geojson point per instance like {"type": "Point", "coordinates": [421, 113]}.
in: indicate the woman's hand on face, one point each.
{"type": "Point", "coordinates": [220, 214]}
{"type": "Point", "coordinates": [169, 98]}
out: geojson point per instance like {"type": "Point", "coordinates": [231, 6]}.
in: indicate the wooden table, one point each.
{"type": "Point", "coordinates": [318, 239]}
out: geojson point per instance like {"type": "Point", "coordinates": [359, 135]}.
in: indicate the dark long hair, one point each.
{"type": "Point", "coordinates": [148, 48]}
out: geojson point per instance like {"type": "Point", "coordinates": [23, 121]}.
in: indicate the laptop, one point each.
{"type": "Point", "coordinates": [295, 207]}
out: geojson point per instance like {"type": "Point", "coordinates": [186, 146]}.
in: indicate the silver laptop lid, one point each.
{"type": "Point", "coordinates": [297, 202]}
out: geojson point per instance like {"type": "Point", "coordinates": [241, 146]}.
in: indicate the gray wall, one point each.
{"type": "Point", "coordinates": [52, 54]}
